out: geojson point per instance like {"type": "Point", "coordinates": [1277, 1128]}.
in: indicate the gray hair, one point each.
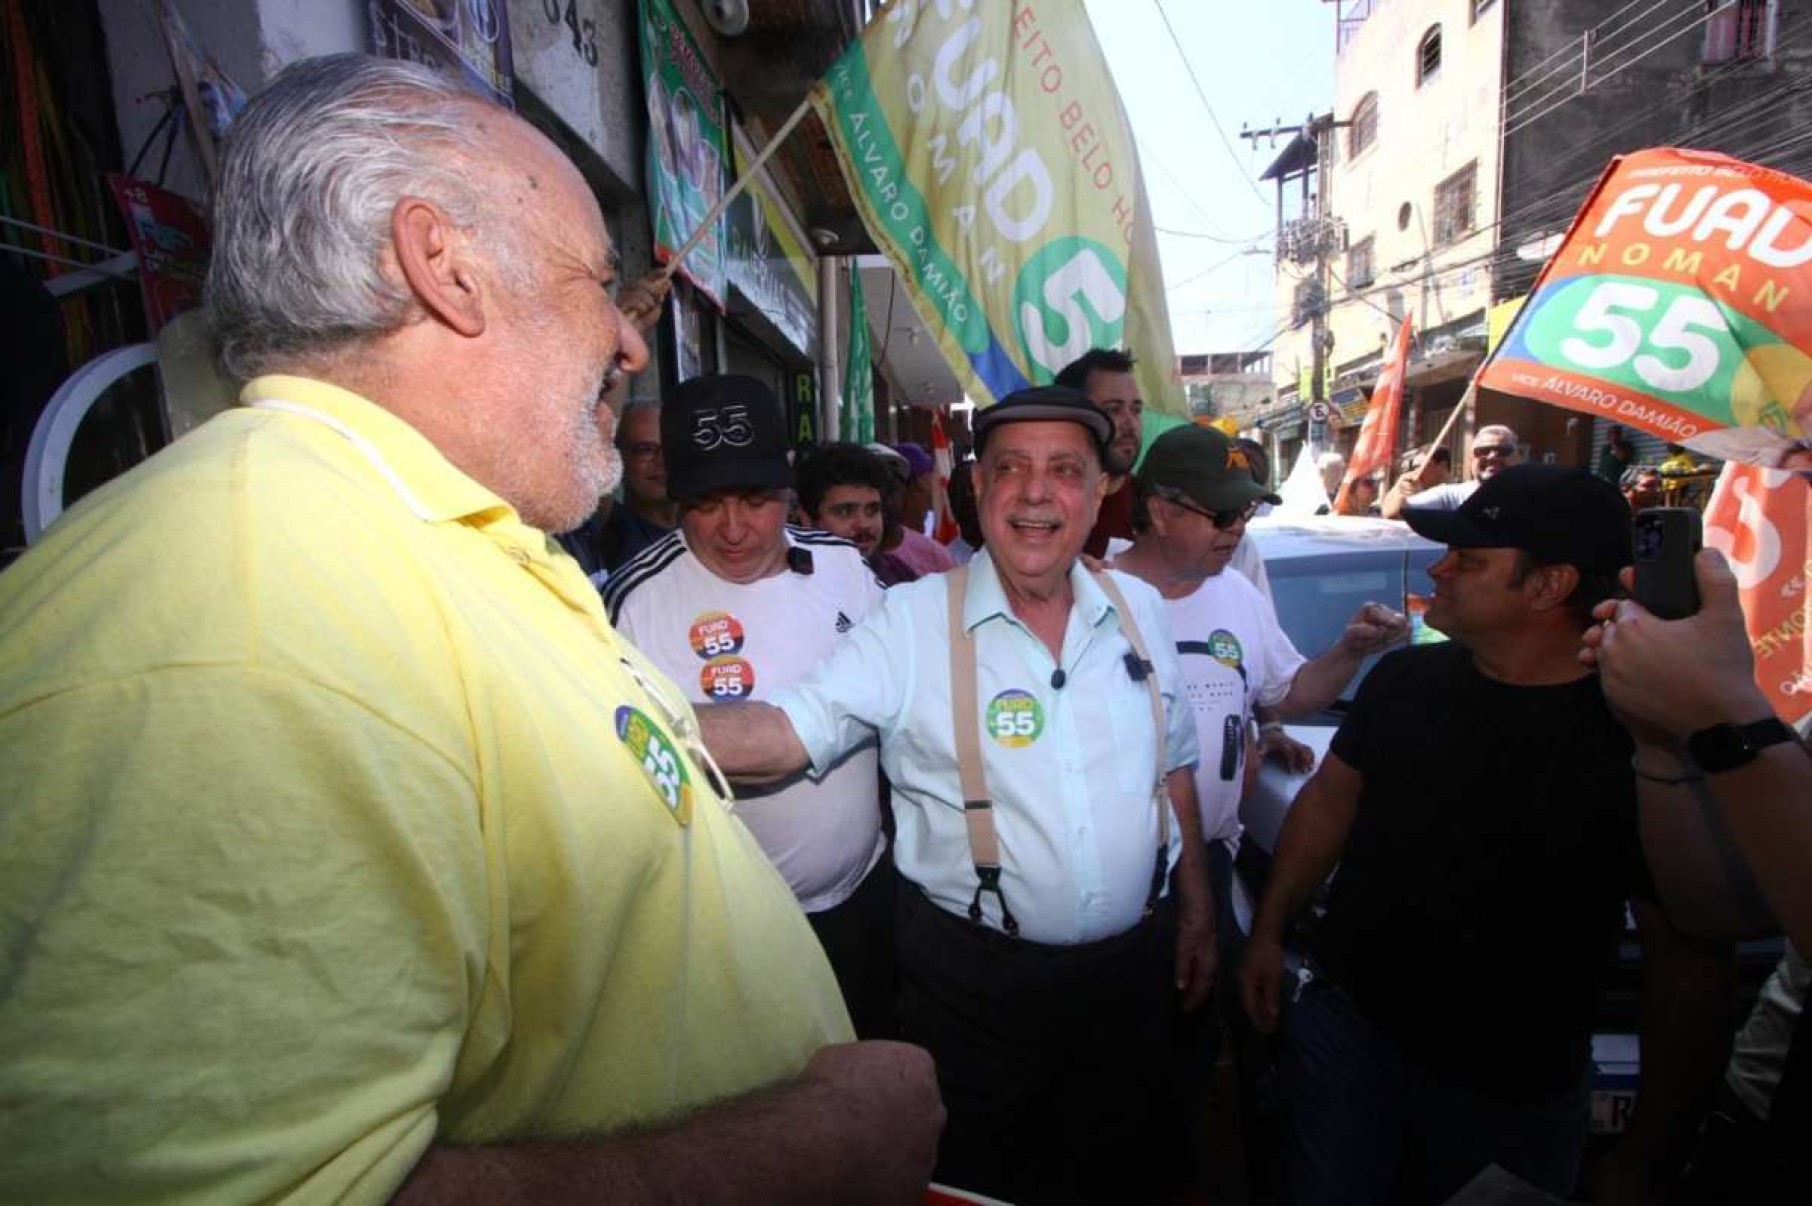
{"type": "Point", "coordinates": [312, 171]}
{"type": "Point", "coordinates": [1496, 429]}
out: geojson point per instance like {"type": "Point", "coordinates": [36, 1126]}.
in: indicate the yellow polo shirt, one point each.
{"type": "Point", "coordinates": [336, 822]}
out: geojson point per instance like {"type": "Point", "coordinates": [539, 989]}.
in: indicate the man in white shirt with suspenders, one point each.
{"type": "Point", "coordinates": [1054, 903]}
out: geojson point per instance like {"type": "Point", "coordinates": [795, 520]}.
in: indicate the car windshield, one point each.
{"type": "Point", "coordinates": [1323, 569]}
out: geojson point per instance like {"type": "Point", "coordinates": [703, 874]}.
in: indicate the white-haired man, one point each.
{"type": "Point", "coordinates": [348, 853]}
{"type": "Point", "coordinates": [1494, 449]}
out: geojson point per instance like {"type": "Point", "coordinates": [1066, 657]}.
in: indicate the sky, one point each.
{"type": "Point", "coordinates": [1256, 62]}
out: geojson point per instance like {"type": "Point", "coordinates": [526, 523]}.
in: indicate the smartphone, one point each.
{"type": "Point", "coordinates": [1666, 541]}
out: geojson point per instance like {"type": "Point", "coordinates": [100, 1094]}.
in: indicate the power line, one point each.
{"type": "Point", "coordinates": [1208, 108]}
{"type": "Point", "coordinates": [1213, 238]}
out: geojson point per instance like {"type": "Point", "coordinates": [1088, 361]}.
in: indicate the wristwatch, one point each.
{"type": "Point", "coordinates": [1725, 747]}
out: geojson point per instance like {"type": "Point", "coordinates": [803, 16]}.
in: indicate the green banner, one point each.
{"type": "Point", "coordinates": [856, 419]}
{"type": "Point", "coordinates": [687, 146]}
{"type": "Point", "coordinates": [990, 158]}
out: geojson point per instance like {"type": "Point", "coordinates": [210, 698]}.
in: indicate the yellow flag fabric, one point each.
{"type": "Point", "coordinates": [986, 149]}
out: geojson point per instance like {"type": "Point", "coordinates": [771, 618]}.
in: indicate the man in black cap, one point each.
{"type": "Point", "coordinates": [1479, 801]}
{"type": "Point", "coordinates": [1052, 905]}
{"type": "Point", "coordinates": [733, 605]}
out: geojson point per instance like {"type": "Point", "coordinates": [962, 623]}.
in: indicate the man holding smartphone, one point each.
{"type": "Point", "coordinates": [1479, 801]}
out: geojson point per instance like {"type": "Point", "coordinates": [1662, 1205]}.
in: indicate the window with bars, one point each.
{"type": "Point", "coordinates": [1739, 30]}
{"type": "Point", "coordinates": [1364, 130]}
{"type": "Point", "coordinates": [1428, 55]}
{"type": "Point", "coordinates": [1360, 271]}
{"type": "Point", "coordinates": [1456, 205]}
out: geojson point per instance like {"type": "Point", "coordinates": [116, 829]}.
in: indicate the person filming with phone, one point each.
{"type": "Point", "coordinates": [1725, 791]}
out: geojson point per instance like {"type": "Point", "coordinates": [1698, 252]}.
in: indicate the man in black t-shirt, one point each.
{"type": "Point", "coordinates": [1479, 801]}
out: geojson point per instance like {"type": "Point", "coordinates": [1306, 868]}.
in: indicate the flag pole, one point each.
{"type": "Point", "coordinates": [667, 270]}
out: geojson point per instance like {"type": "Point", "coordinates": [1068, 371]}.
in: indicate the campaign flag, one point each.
{"type": "Point", "coordinates": [857, 420]}
{"type": "Point", "coordinates": [987, 152]}
{"type": "Point", "coordinates": [1679, 303]}
{"type": "Point", "coordinates": [1758, 518]}
{"type": "Point", "coordinates": [1377, 442]}
{"type": "Point", "coordinates": [687, 147]}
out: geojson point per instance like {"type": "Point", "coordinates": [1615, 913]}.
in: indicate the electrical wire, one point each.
{"type": "Point", "coordinates": [1208, 108]}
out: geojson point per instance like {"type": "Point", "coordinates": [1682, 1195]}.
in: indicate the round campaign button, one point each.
{"type": "Point", "coordinates": [1015, 718]}
{"type": "Point", "coordinates": [660, 759]}
{"type": "Point", "coordinates": [1225, 648]}
{"type": "Point", "coordinates": [716, 634]}
{"type": "Point", "coordinates": [726, 679]}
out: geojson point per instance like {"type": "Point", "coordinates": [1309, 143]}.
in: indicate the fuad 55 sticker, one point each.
{"type": "Point", "coordinates": [726, 679]}
{"type": "Point", "coordinates": [1015, 719]}
{"type": "Point", "coordinates": [716, 634]}
{"type": "Point", "coordinates": [1225, 648]}
{"type": "Point", "coordinates": [661, 761]}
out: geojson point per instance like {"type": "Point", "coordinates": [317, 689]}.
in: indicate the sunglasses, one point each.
{"type": "Point", "coordinates": [1490, 450]}
{"type": "Point", "coordinates": [1222, 520]}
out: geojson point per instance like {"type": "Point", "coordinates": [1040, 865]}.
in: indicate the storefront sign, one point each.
{"type": "Point", "coordinates": [687, 146]}
{"type": "Point", "coordinates": [466, 38]}
{"type": "Point", "coordinates": [767, 261]}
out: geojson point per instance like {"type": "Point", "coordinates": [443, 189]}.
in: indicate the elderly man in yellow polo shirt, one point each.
{"type": "Point", "coordinates": [345, 850]}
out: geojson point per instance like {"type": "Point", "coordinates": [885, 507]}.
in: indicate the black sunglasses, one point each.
{"type": "Point", "coordinates": [1220, 519]}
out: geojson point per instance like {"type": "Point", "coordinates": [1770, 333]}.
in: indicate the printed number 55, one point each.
{"type": "Point", "coordinates": [1014, 724]}
{"type": "Point", "coordinates": [1673, 333]}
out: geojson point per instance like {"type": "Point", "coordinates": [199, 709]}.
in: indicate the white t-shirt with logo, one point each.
{"type": "Point", "coordinates": [1234, 658]}
{"type": "Point", "coordinates": [724, 642]}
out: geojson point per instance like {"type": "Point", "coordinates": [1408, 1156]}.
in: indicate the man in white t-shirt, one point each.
{"type": "Point", "coordinates": [1194, 496]}
{"type": "Point", "coordinates": [734, 605]}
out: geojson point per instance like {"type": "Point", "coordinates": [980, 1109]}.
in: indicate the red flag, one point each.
{"type": "Point", "coordinates": [1378, 434]}
{"type": "Point", "coordinates": [944, 461]}
{"type": "Point", "coordinates": [1758, 518]}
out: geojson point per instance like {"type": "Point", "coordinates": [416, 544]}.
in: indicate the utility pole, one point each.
{"type": "Point", "coordinates": [1313, 238]}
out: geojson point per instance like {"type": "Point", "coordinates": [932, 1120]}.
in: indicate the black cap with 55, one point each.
{"type": "Point", "coordinates": [723, 432]}
{"type": "Point", "coordinates": [1560, 516]}
{"type": "Point", "coordinates": [1047, 403]}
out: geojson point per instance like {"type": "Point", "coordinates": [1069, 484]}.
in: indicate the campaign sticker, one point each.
{"type": "Point", "coordinates": [661, 760]}
{"type": "Point", "coordinates": [1225, 648]}
{"type": "Point", "coordinates": [724, 679]}
{"type": "Point", "coordinates": [1015, 719]}
{"type": "Point", "coordinates": [716, 634]}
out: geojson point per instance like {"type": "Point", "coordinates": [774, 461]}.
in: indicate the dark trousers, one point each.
{"type": "Point", "coordinates": [1051, 1059]}
{"type": "Point", "coordinates": [857, 937]}
{"type": "Point", "coordinates": [1364, 1125]}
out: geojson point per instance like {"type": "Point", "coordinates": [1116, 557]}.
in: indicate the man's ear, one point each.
{"type": "Point", "coordinates": [437, 265]}
{"type": "Point", "coordinates": [1552, 586]}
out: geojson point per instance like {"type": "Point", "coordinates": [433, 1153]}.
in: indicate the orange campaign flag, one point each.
{"type": "Point", "coordinates": [1758, 518]}
{"type": "Point", "coordinates": [1377, 440]}
{"type": "Point", "coordinates": [1679, 303]}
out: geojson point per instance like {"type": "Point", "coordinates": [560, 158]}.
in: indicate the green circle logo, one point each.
{"type": "Point", "coordinates": [661, 761]}
{"type": "Point", "coordinates": [1225, 648]}
{"type": "Point", "coordinates": [1069, 297]}
{"type": "Point", "coordinates": [1014, 719]}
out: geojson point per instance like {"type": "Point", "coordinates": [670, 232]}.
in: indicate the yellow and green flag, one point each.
{"type": "Point", "coordinates": [987, 151]}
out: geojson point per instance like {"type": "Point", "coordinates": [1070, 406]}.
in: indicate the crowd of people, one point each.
{"type": "Point", "coordinates": [367, 842]}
